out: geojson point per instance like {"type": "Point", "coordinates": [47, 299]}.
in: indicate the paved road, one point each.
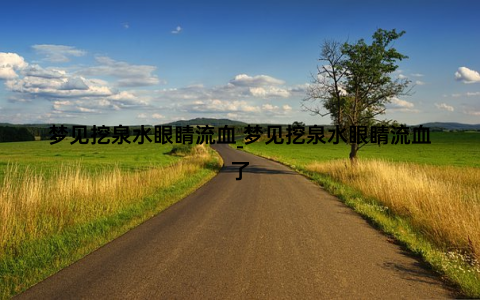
{"type": "Point", "coordinates": [272, 235]}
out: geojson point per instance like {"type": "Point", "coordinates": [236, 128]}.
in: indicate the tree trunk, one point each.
{"type": "Point", "coordinates": [353, 153]}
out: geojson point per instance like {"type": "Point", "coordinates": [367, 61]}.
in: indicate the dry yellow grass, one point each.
{"type": "Point", "coordinates": [32, 206]}
{"type": "Point", "coordinates": [443, 202]}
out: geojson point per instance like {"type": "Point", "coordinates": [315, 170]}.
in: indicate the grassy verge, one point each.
{"type": "Point", "coordinates": [432, 210]}
{"type": "Point", "coordinates": [50, 222]}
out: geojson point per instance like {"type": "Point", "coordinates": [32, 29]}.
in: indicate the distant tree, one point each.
{"type": "Point", "coordinates": [354, 84]}
{"type": "Point", "coordinates": [298, 124]}
{"type": "Point", "coordinates": [15, 134]}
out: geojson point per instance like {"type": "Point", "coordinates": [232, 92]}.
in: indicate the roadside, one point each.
{"type": "Point", "coordinates": [86, 221]}
{"type": "Point", "coordinates": [459, 269]}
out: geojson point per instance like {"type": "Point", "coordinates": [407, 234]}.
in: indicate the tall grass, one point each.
{"type": "Point", "coordinates": [33, 206]}
{"type": "Point", "coordinates": [442, 202]}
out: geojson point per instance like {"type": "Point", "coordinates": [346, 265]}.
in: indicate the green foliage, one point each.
{"type": "Point", "coordinates": [181, 150]}
{"type": "Point", "coordinates": [15, 134]}
{"type": "Point", "coordinates": [298, 124]}
{"type": "Point", "coordinates": [355, 84]}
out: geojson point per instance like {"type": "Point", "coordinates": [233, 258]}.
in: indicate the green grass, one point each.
{"type": "Point", "coordinates": [44, 157]}
{"type": "Point", "coordinates": [456, 149]}
{"type": "Point", "coordinates": [32, 260]}
{"type": "Point", "coordinates": [38, 259]}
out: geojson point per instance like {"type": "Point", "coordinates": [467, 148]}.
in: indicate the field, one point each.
{"type": "Point", "coordinates": [60, 202]}
{"type": "Point", "coordinates": [448, 149]}
{"type": "Point", "coordinates": [425, 196]}
{"type": "Point", "coordinates": [43, 157]}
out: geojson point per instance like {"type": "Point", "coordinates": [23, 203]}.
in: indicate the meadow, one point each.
{"type": "Point", "coordinates": [448, 149]}
{"type": "Point", "coordinates": [43, 157]}
{"type": "Point", "coordinates": [60, 202]}
{"type": "Point", "coordinates": [426, 196]}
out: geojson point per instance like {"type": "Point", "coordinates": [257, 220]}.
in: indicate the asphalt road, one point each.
{"type": "Point", "coordinates": [272, 235]}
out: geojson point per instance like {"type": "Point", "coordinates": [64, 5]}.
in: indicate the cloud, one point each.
{"type": "Point", "coordinates": [467, 75]}
{"type": "Point", "coordinates": [155, 116]}
{"type": "Point", "coordinates": [37, 71]}
{"type": "Point", "coordinates": [472, 110]}
{"type": "Point", "coordinates": [64, 87]}
{"type": "Point", "coordinates": [177, 30]}
{"type": "Point", "coordinates": [401, 76]}
{"type": "Point", "coordinates": [245, 87]}
{"type": "Point", "coordinates": [158, 116]}
{"type": "Point", "coordinates": [444, 106]}
{"type": "Point", "coordinates": [74, 83]}
{"type": "Point", "coordinates": [236, 108]}
{"type": "Point", "coordinates": [126, 25]}
{"type": "Point", "coordinates": [419, 82]}
{"type": "Point", "coordinates": [417, 75]}
{"type": "Point", "coordinates": [125, 99]}
{"type": "Point", "coordinates": [58, 86]}
{"type": "Point", "coordinates": [9, 64]}
{"type": "Point", "coordinates": [468, 94]}
{"type": "Point", "coordinates": [58, 53]}
{"type": "Point", "coordinates": [216, 105]}
{"type": "Point", "coordinates": [401, 103]}
{"type": "Point", "coordinates": [128, 75]}
{"type": "Point", "coordinates": [255, 81]}
{"type": "Point", "coordinates": [71, 107]}
{"type": "Point", "coordinates": [268, 92]}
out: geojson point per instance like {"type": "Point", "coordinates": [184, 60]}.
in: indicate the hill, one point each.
{"type": "Point", "coordinates": [452, 126]}
{"type": "Point", "coordinates": [206, 121]}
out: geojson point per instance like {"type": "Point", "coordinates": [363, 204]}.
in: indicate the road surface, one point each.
{"type": "Point", "coordinates": [272, 235]}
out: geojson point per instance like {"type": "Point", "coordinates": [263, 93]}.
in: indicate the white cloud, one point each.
{"type": "Point", "coordinates": [126, 25]}
{"type": "Point", "coordinates": [401, 76]}
{"type": "Point", "coordinates": [9, 63]}
{"type": "Point", "coordinates": [158, 116]}
{"type": "Point", "coordinates": [268, 92]}
{"type": "Point", "coordinates": [417, 75]}
{"type": "Point", "coordinates": [154, 116]}
{"type": "Point", "coordinates": [58, 53]}
{"type": "Point", "coordinates": [467, 75]}
{"type": "Point", "coordinates": [177, 30]}
{"type": "Point", "coordinates": [419, 82]}
{"type": "Point", "coordinates": [468, 94]}
{"type": "Point", "coordinates": [401, 103]}
{"type": "Point", "coordinates": [216, 105]}
{"type": "Point", "coordinates": [125, 99]}
{"type": "Point", "coordinates": [74, 83]}
{"type": "Point", "coordinates": [472, 111]}
{"type": "Point", "coordinates": [444, 106]}
{"type": "Point", "coordinates": [37, 71]}
{"type": "Point", "coordinates": [128, 75]}
{"type": "Point", "coordinates": [56, 85]}
{"type": "Point", "coordinates": [255, 81]}
{"type": "Point", "coordinates": [472, 94]}
{"type": "Point", "coordinates": [66, 87]}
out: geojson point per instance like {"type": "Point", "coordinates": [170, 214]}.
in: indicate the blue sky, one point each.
{"type": "Point", "coordinates": [148, 62]}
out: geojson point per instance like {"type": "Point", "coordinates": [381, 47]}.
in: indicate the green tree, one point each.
{"type": "Point", "coordinates": [298, 124]}
{"type": "Point", "coordinates": [354, 83]}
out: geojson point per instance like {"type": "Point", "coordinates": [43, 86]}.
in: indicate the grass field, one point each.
{"type": "Point", "coordinates": [60, 202]}
{"type": "Point", "coordinates": [426, 196]}
{"type": "Point", "coordinates": [447, 149]}
{"type": "Point", "coordinates": [43, 157]}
